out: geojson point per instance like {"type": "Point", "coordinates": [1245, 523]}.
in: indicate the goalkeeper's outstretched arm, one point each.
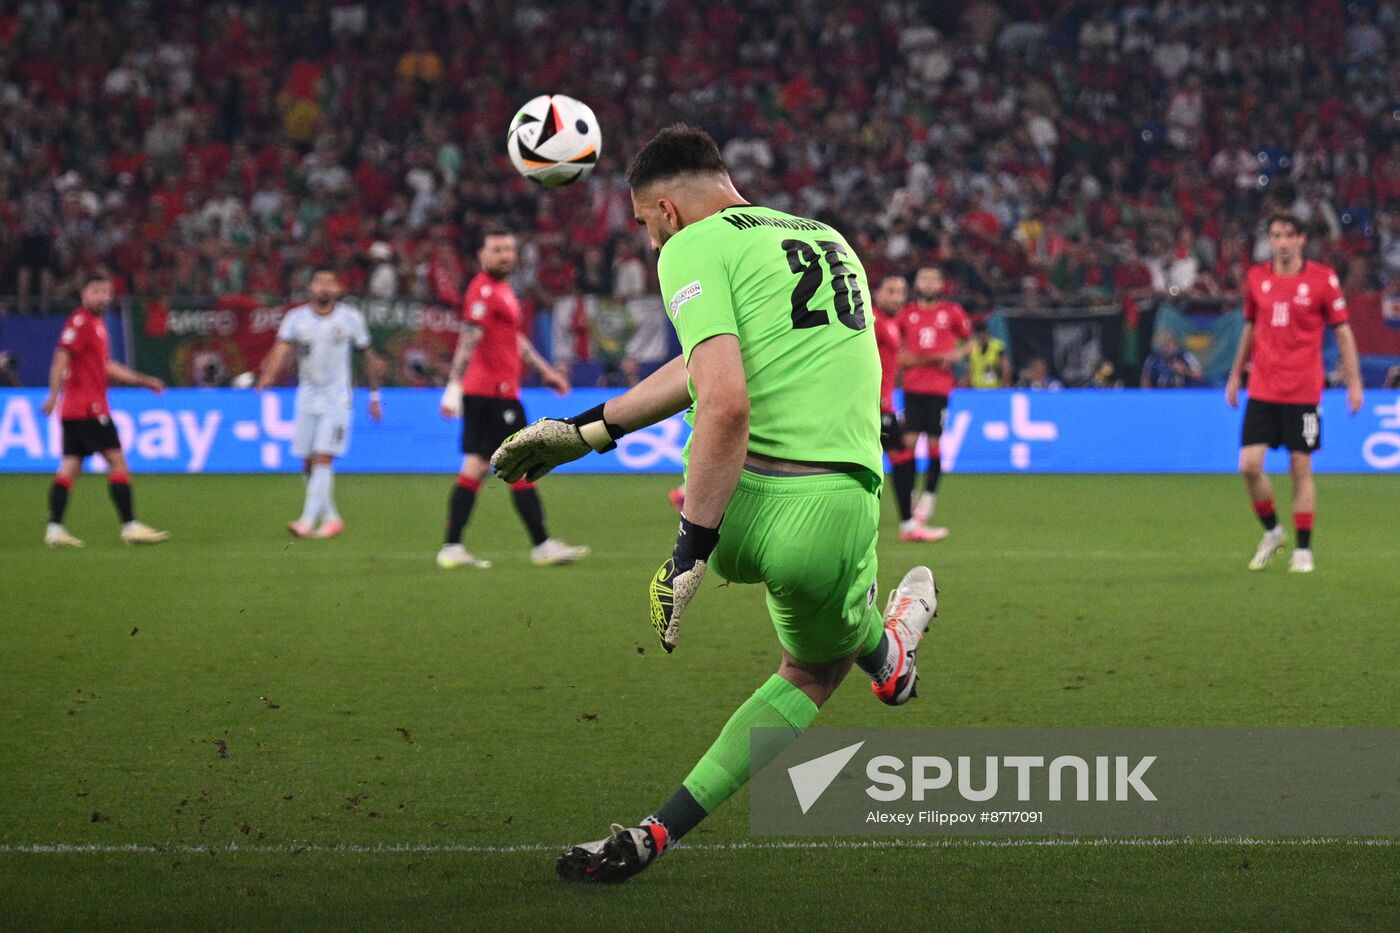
{"type": "Point", "coordinates": [655, 398]}
{"type": "Point", "coordinates": [535, 450]}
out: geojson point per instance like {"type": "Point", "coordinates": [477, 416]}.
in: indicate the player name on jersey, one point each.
{"type": "Point", "coordinates": [744, 221]}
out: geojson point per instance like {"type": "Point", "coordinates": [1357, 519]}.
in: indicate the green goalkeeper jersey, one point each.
{"type": "Point", "coordinates": [794, 293]}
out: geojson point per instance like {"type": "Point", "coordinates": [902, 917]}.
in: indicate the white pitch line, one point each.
{"type": "Point", "coordinates": [63, 848]}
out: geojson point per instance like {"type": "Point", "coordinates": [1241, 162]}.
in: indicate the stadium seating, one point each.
{"type": "Point", "coordinates": [216, 149]}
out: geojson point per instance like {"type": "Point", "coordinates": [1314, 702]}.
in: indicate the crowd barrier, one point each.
{"type": "Point", "coordinates": [999, 431]}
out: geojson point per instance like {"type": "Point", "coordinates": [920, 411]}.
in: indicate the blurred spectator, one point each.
{"type": "Point", "coordinates": [635, 286]}
{"type": "Point", "coordinates": [988, 363]}
{"type": "Point", "coordinates": [1169, 366]}
{"type": "Point", "coordinates": [384, 274]}
{"type": "Point", "coordinates": [1106, 377]}
{"type": "Point", "coordinates": [1036, 375]}
{"type": "Point", "coordinates": [9, 370]}
{"type": "Point", "coordinates": [234, 145]}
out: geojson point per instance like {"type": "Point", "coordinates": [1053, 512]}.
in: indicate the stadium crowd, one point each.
{"type": "Point", "coordinates": [1045, 153]}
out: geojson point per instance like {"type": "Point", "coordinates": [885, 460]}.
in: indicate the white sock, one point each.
{"type": "Point", "coordinates": [328, 509]}
{"type": "Point", "coordinates": [910, 525]}
{"type": "Point", "coordinates": [317, 494]}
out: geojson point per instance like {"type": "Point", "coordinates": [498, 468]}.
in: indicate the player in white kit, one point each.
{"type": "Point", "coordinates": [322, 332]}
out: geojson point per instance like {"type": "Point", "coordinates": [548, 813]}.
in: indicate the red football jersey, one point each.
{"type": "Point", "coordinates": [887, 342]}
{"type": "Point", "coordinates": [1289, 313]}
{"type": "Point", "coordinates": [85, 386]}
{"type": "Point", "coordinates": [935, 328]}
{"type": "Point", "coordinates": [494, 368]}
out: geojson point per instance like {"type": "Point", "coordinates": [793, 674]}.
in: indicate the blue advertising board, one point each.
{"type": "Point", "coordinates": [1000, 431]}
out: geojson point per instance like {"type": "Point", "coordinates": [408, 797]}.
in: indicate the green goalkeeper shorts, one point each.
{"type": "Point", "coordinates": [811, 541]}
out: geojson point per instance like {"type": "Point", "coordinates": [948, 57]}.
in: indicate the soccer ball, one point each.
{"type": "Point", "coordinates": [554, 140]}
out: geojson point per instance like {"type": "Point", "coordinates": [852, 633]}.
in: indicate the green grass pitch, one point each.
{"type": "Point", "coordinates": [338, 734]}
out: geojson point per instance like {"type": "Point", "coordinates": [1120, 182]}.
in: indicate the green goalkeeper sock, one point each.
{"type": "Point", "coordinates": [726, 766]}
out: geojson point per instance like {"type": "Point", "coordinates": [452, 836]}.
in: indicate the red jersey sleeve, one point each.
{"type": "Point", "coordinates": [1251, 308]}
{"type": "Point", "coordinates": [475, 308]}
{"type": "Point", "coordinates": [1334, 303]}
{"type": "Point", "coordinates": [962, 324]}
{"type": "Point", "coordinates": [904, 328]}
{"type": "Point", "coordinates": [74, 333]}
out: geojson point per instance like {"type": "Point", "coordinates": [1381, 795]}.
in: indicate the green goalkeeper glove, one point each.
{"type": "Point", "coordinates": [677, 581]}
{"type": "Point", "coordinates": [533, 451]}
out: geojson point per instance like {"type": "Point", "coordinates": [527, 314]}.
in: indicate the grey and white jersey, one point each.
{"type": "Point", "coordinates": [323, 343]}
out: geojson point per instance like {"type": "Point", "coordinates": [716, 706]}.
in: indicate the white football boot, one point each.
{"type": "Point", "coordinates": [553, 551]}
{"type": "Point", "coordinates": [452, 556]}
{"type": "Point", "coordinates": [137, 533]}
{"type": "Point", "coordinates": [613, 860]}
{"type": "Point", "coordinates": [55, 535]}
{"type": "Point", "coordinates": [1269, 545]}
{"type": "Point", "coordinates": [910, 609]}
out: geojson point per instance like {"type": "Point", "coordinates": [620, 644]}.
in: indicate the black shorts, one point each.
{"type": "Point", "coordinates": [924, 414]}
{"type": "Point", "coordinates": [487, 422]}
{"type": "Point", "coordinates": [1275, 424]}
{"type": "Point", "coordinates": [88, 436]}
{"type": "Point", "coordinates": [891, 432]}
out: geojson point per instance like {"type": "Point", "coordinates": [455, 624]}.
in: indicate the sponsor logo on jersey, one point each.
{"type": "Point", "coordinates": [693, 290]}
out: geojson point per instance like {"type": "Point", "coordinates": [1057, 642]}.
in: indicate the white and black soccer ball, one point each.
{"type": "Point", "coordinates": [554, 140]}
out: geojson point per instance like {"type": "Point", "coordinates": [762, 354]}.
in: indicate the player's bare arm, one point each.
{"type": "Point", "coordinates": [954, 356]}
{"type": "Point", "coordinates": [1246, 347]}
{"type": "Point", "coordinates": [273, 363]}
{"type": "Point", "coordinates": [717, 451]}
{"type": "Point", "coordinates": [656, 398]}
{"type": "Point", "coordinates": [1351, 366]}
{"type": "Point", "coordinates": [548, 374]}
{"type": "Point", "coordinates": [721, 437]}
{"type": "Point", "coordinates": [467, 339]}
{"type": "Point", "coordinates": [946, 359]}
{"type": "Point", "coordinates": [374, 375]}
{"type": "Point", "coordinates": [125, 374]}
{"type": "Point", "coordinates": [57, 370]}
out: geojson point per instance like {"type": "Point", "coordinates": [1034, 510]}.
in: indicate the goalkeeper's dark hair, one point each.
{"type": "Point", "coordinates": [677, 150]}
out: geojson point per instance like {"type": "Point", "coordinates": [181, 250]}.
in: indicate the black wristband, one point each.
{"type": "Point", "coordinates": [695, 542]}
{"type": "Point", "coordinates": [594, 415]}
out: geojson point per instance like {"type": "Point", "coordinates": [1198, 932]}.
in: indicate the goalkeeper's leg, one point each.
{"type": "Point", "coordinates": [788, 701]}
{"type": "Point", "coordinates": [816, 555]}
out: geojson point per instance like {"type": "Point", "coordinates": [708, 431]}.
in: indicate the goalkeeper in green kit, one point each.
{"type": "Point", "coordinates": [784, 464]}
